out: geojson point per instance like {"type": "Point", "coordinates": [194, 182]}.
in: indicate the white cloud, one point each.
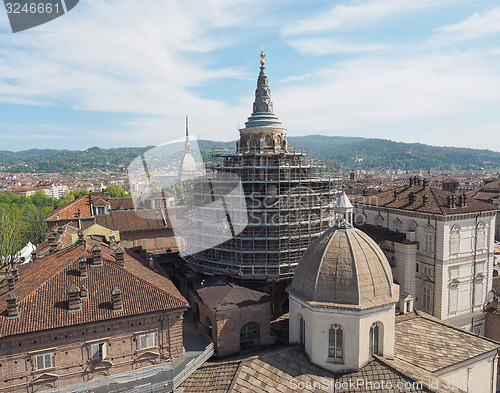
{"type": "Point", "coordinates": [369, 93]}
{"type": "Point", "coordinates": [124, 56]}
{"type": "Point", "coordinates": [324, 46]}
{"type": "Point", "coordinates": [343, 17]}
{"type": "Point", "coordinates": [476, 26]}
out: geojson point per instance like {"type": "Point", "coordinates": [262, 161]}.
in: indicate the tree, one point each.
{"type": "Point", "coordinates": [11, 236]}
{"type": "Point", "coordinates": [116, 191]}
{"type": "Point", "coordinates": [34, 225]}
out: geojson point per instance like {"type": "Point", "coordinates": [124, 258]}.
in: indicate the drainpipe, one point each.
{"type": "Point", "coordinates": [434, 270]}
{"type": "Point", "coordinates": [474, 273]}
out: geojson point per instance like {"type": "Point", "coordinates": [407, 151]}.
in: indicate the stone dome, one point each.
{"type": "Point", "coordinates": [344, 266]}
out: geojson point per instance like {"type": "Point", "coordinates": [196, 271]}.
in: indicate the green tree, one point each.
{"type": "Point", "coordinates": [116, 191]}
{"type": "Point", "coordinates": [11, 236]}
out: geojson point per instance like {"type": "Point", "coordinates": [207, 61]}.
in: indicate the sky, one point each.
{"type": "Point", "coordinates": [115, 73]}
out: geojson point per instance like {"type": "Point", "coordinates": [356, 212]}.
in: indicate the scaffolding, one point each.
{"type": "Point", "coordinates": [288, 204]}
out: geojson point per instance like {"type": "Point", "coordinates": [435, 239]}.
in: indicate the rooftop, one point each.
{"type": "Point", "coordinates": [43, 283]}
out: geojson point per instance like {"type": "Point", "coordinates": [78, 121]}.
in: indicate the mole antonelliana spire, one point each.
{"type": "Point", "coordinates": [188, 167]}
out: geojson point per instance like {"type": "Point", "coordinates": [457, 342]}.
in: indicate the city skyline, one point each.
{"type": "Point", "coordinates": [125, 74]}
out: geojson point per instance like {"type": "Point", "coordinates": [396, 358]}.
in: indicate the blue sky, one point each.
{"type": "Point", "coordinates": [125, 73]}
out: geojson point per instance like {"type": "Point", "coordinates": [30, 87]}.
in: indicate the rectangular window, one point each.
{"type": "Point", "coordinates": [480, 240]}
{"type": "Point", "coordinates": [41, 362]}
{"type": "Point", "coordinates": [427, 297]}
{"type": "Point", "coordinates": [455, 240]}
{"type": "Point", "coordinates": [97, 351]}
{"type": "Point", "coordinates": [146, 340]}
{"type": "Point", "coordinates": [427, 271]}
{"type": "Point", "coordinates": [478, 294]}
{"type": "Point", "coordinates": [453, 300]}
{"type": "Point", "coordinates": [453, 273]}
{"type": "Point", "coordinates": [428, 242]}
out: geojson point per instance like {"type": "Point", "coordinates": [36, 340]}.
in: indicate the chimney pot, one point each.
{"type": "Point", "coordinates": [425, 199]}
{"type": "Point", "coordinates": [84, 292]}
{"type": "Point", "coordinates": [411, 181]}
{"type": "Point", "coordinates": [116, 299]}
{"type": "Point", "coordinates": [12, 306]}
{"type": "Point", "coordinates": [96, 256]}
{"type": "Point", "coordinates": [15, 273]}
{"type": "Point", "coordinates": [425, 183]}
{"type": "Point", "coordinates": [119, 253]}
{"type": "Point", "coordinates": [82, 266]}
{"type": "Point", "coordinates": [412, 198]}
{"type": "Point", "coordinates": [80, 236]}
{"type": "Point", "coordinates": [74, 298]}
{"type": "Point", "coordinates": [10, 281]}
{"type": "Point", "coordinates": [396, 196]}
{"type": "Point", "coordinates": [33, 255]}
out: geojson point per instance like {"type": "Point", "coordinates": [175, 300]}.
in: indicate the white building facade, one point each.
{"type": "Point", "coordinates": [446, 258]}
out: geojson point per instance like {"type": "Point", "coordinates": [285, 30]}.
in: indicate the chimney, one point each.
{"type": "Point", "coordinates": [448, 201]}
{"type": "Point", "coordinates": [412, 198]}
{"type": "Point", "coordinates": [74, 299]}
{"type": "Point", "coordinates": [12, 306]}
{"type": "Point", "coordinates": [425, 199]}
{"type": "Point", "coordinates": [82, 267]}
{"type": "Point", "coordinates": [464, 201]}
{"type": "Point", "coordinates": [96, 256]}
{"type": "Point", "coordinates": [425, 183]}
{"type": "Point", "coordinates": [81, 236]}
{"type": "Point", "coordinates": [411, 181]}
{"type": "Point", "coordinates": [120, 261]}
{"type": "Point", "coordinates": [116, 299]}
{"type": "Point", "coordinates": [84, 293]}
{"type": "Point", "coordinates": [112, 241]}
{"type": "Point", "coordinates": [396, 196]}
{"type": "Point", "coordinates": [52, 248]}
{"type": "Point", "coordinates": [150, 261]}
{"type": "Point", "coordinates": [453, 201]}
{"type": "Point", "coordinates": [60, 230]}
{"type": "Point", "coordinates": [417, 180]}
{"type": "Point", "coordinates": [10, 281]}
{"type": "Point", "coordinates": [15, 273]}
{"type": "Point", "coordinates": [33, 255]}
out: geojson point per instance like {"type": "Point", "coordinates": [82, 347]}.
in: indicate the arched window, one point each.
{"type": "Point", "coordinates": [249, 336]}
{"type": "Point", "coordinates": [374, 339]}
{"type": "Point", "coordinates": [335, 344]}
{"type": "Point", "coordinates": [302, 336]}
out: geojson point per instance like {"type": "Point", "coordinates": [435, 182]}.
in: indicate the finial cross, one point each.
{"type": "Point", "coordinates": [261, 53]}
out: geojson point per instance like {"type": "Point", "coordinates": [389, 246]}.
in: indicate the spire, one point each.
{"type": "Point", "coordinates": [343, 211]}
{"type": "Point", "coordinates": [187, 146]}
{"type": "Point", "coordinates": [262, 114]}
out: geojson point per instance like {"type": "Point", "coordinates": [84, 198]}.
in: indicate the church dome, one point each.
{"type": "Point", "coordinates": [344, 266]}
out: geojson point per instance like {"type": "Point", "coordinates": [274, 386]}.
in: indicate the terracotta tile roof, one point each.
{"type": "Point", "coordinates": [128, 220]}
{"type": "Point", "coordinates": [274, 370]}
{"type": "Point", "coordinates": [431, 344]}
{"type": "Point", "coordinates": [100, 202]}
{"type": "Point", "coordinates": [230, 296]}
{"type": "Point", "coordinates": [41, 290]}
{"type": "Point", "coordinates": [121, 203]}
{"type": "Point", "coordinates": [70, 210]}
{"type": "Point", "coordinates": [437, 201]}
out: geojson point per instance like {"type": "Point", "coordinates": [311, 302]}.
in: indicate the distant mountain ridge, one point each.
{"type": "Point", "coordinates": [337, 151]}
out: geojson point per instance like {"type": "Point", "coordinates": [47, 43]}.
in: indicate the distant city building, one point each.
{"type": "Point", "coordinates": [440, 246]}
{"type": "Point", "coordinates": [489, 193]}
{"type": "Point", "coordinates": [98, 214]}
